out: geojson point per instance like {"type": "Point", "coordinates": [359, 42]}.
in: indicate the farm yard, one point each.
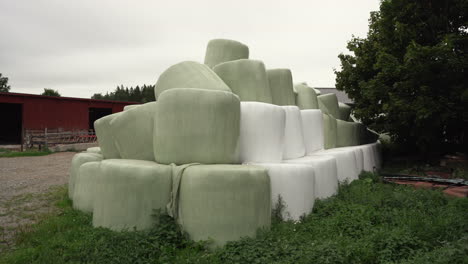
{"type": "Point", "coordinates": [367, 222]}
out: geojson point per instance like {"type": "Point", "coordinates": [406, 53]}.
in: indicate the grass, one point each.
{"type": "Point", "coordinates": [5, 153]}
{"type": "Point", "coordinates": [367, 222]}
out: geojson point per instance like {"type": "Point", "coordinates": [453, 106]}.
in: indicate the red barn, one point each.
{"type": "Point", "coordinates": [33, 112]}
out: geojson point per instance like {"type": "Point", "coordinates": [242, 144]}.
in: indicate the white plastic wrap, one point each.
{"type": "Point", "coordinates": [347, 168]}
{"type": "Point", "coordinates": [261, 132]}
{"type": "Point", "coordinates": [295, 184]}
{"type": "Point", "coordinates": [326, 180]}
{"type": "Point", "coordinates": [293, 137]}
{"type": "Point", "coordinates": [83, 197]}
{"type": "Point", "coordinates": [312, 127]}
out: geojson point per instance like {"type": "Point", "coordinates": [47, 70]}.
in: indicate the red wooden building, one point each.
{"type": "Point", "coordinates": [20, 112]}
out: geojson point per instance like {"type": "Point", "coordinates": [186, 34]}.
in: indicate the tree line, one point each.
{"type": "Point", "coordinates": [142, 94]}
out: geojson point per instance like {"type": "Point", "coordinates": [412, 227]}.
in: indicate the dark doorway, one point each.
{"type": "Point", "coordinates": [96, 113]}
{"type": "Point", "coordinates": [11, 123]}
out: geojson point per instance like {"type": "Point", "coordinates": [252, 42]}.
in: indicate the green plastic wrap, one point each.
{"type": "Point", "coordinates": [281, 85]}
{"type": "Point", "coordinates": [133, 132]}
{"type": "Point", "coordinates": [128, 192]}
{"type": "Point", "coordinates": [224, 202]}
{"type": "Point", "coordinates": [306, 97]}
{"type": "Point", "coordinates": [105, 137]}
{"type": "Point", "coordinates": [196, 126]}
{"type": "Point", "coordinates": [329, 131]}
{"type": "Point", "coordinates": [247, 79]}
{"type": "Point", "coordinates": [189, 74]}
{"type": "Point", "coordinates": [330, 103]}
{"type": "Point", "coordinates": [96, 150]}
{"type": "Point", "coordinates": [128, 107]}
{"type": "Point", "coordinates": [347, 133]}
{"type": "Point", "coordinates": [83, 196]}
{"type": "Point", "coordinates": [223, 50]}
{"type": "Point", "coordinates": [345, 111]}
{"type": "Point", "coordinates": [78, 160]}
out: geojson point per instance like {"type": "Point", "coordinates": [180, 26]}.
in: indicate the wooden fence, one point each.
{"type": "Point", "coordinates": [50, 137]}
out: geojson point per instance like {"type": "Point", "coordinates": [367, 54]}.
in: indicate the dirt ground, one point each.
{"type": "Point", "coordinates": [24, 186]}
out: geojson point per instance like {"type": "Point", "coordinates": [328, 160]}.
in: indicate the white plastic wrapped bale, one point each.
{"type": "Point", "coordinates": [295, 184]}
{"type": "Point", "coordinates": [293, 134]}
{"type": "Point", "coordinates": [78, 160]}
{"type": "Point", "coordinates": [105, 137]}
{"type": "Point", "coordinates": [128, 191]}
{"type": "Point", "coordinates": [96, 150]}
{"type": "Point", "coordinates": [347, 160]}
{"type": "Point", "coordinates": [324, 166]}
{"type": "Point", "coordinates": [326, 180]}
{"type": "Point", "coordinates": [83, 197]}
{"type": "Point", "coordinates": [261, 132]}
{"type": "Point", "coordinates": [133, 132]}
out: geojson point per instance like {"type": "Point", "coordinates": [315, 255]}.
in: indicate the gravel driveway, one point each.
{"type": "Point", "coordinates": [24, 182]}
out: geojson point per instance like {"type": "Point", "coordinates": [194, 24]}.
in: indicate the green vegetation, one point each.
{"type": "Point", "coordinates": [51, 92]}
{"type": "Point", "coordinates": [4, 87]}
{"type": "Point", "coordinates": [5, 153]}
{"type": "Point", "coordinates": [408, 76]}
{"type": "Point", "coordinates": [139, 94]}
{"type": "Point", "coordinates": [367, 222]}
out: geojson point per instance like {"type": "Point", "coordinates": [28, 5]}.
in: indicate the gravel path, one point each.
{"type": "Point", "coordinates": [24, 182]}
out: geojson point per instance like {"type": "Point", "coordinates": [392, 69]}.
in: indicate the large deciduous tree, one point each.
{"type": "Point", "coordinates": [51, 92]}
{"type": "Point", "coordinates": [409, 76]}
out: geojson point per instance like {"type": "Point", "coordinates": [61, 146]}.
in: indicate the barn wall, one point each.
{"type": "Point", "coordinates": [41, 112]}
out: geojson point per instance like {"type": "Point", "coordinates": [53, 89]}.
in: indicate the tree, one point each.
{"type": "Point", "coordinates": [4, 87]}
{"type": "Point", "coordinates": [121, 93]}
{"type": "Point", "coordinates": [51, 92]}
{"type": "Point", "coordinates": [409, 75]}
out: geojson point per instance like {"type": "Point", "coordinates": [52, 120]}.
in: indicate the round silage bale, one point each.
{"type": "Point", "coordinates": [345, 111]}
{"type": "Point", "coordinates": [78, 160]}
{"type": "Point", "coordinates": [196, 126]}
{"type": "Point", "coordinates": [346, 133]}
{"type": "Point", "coordinates": [281, 86]}
{"type": "Point", "coordinates": [247, 79]}
{"type": "Point", "coordinates": [83, 196]}
{"type": "Point", "coordinates": [189, 74]}
{"type": "Point", "coordinates": [330, 102]}
{"type": "Point", "coordinates": [94, 150]}
{"type": "Point", "coordinates": [222, 50]}
{"type": "Point", "coordinates": [128, 191]}
{"type": "Point", "coordinates": [224, 202]}
{"type": "Point", "coordinates": [306, 97]}
{"type": "Point", "coordinates": [105, 137]}
{"type": "Point", "coordinates": [133, 132]}
{"type": "Point", "coordinates": [128, 107]}
{"type": "Point", "coordinates": [329, 131]}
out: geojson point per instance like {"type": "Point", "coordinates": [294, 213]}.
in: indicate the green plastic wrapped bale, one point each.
{"type": "Point", "coordinates": [94, 150]}
{"type": "Point", "coordinates": [222, 50]}
{"type": "Point", "coordinates": [105, 137]}
{"type": "Point", "coordinates": [128, 107]}
{"type": "Point", "coordinates": [329, 131]}
{"type": "Point", "coordinates": [128, 192]}
{"type": "Point", "coordinates": [330, 102]}
{"type": "Point", "coordinates": [189, 74]}
{"type": "Point", "coordinates": [281, 85]}
{"type": "Point", "coordinates": [196, 126]}
{"type": "Point", "coordinates": [83, 197]}
{"type": "Point", "coordinates": [345, 111]}
{"type": "Point", "coordinates": [133, 132]}
{"type": "Point", "coordinates": [306, 97]}
{"type": "Point", "coordinates": [347, 133]}
{"type": "Point", "coordinates": [224, 202]}
{"type": "Point", "coordinates": [78, 160]}
{"type": "Point", "coordinates": [247, 79]}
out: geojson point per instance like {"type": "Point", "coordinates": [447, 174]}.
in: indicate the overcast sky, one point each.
{"type": "Point", "coordinates": [84, 47]}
